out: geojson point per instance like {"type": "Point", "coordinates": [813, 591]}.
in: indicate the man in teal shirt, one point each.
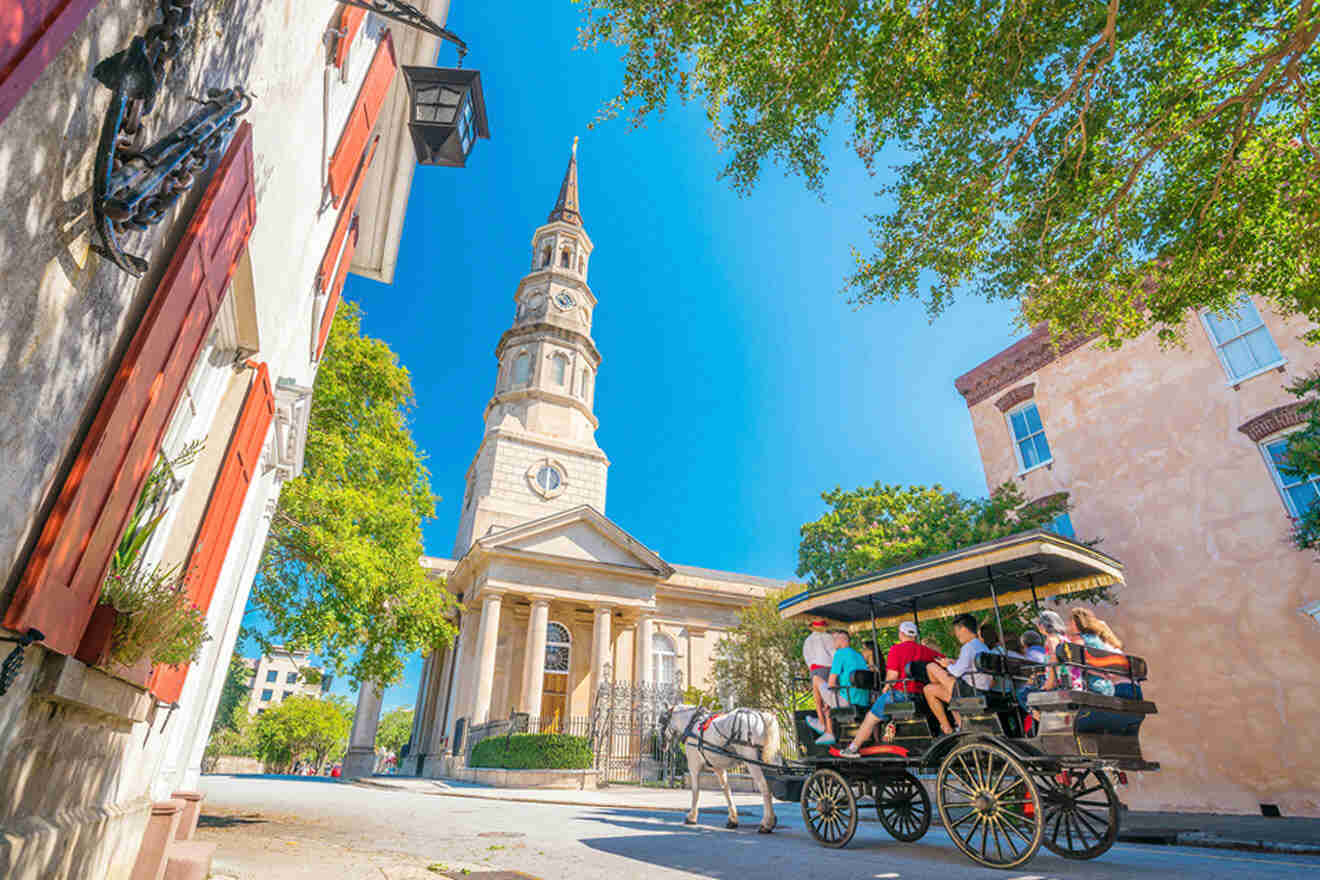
{"type": "Point", "coordinates": [847, 660]}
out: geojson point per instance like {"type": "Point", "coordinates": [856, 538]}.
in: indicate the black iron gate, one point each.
{"type": "Point", "coordinates": [626, 735]}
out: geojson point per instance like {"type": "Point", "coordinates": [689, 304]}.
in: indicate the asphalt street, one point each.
{"type": "Point", "coordinates": [288, 829]}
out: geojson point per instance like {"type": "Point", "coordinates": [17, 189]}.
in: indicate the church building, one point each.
{"type": "Point", "coordinates": [554, 596]}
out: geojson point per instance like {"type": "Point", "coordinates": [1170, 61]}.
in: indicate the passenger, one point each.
{"type": "Point", "coordinates": [847, 660]}
{"type": "Point", "coordinates": [944, 676]}
{"type": "Point", "coordinates": [1094, 633]}
{"type": "Point", "coordinates": [907, 650]}
{"type": "Point", "coordinates": [870, 652]}
{"type": "Point", "coordinates": [1033, 646]}
{"type": "Point", "coordinates": [818, 653]}
{"type": "Point", "coordinates": [1054, 632]}
{"type": "Point", "coordinates": [990, 635]}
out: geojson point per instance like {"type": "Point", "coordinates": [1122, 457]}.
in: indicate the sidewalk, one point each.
{"type": "Point", "coordinates": [1285, 835]}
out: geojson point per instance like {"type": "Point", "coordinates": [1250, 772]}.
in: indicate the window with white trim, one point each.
{"type": "Point", "coordinates": [1033, 450]}
{"type": "Point", "coordinates": [1299, 491]}
{"type": "Point", "coordinates": [664, 659]}
{"type": "Point", "coordinates": [1242, 341]}
{"type": "Point", "coordinates": [558, 647]}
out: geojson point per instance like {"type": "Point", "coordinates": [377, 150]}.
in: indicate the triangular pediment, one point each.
{"type": "Point", "coordinates": [582, 534]}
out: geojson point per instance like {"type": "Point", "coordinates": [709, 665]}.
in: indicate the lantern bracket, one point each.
{"type": "Point", "coordinates": [407, 14]}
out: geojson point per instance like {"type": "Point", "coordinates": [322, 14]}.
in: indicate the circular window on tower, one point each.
{"type": "Point", "coordinates": [547, 478]}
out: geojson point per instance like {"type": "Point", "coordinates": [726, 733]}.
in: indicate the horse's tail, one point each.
{"type": "Point", "coordinates": [770, 748]}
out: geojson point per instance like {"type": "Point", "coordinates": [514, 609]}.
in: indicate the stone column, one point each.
{"type": "Point", "coordinates": [487, 639]}
{"type": "Point", "coordinates": [361, 758]}
{"type": "Point", "coordinates": [645, 630]}
{"type": "Point", "coordinates": [600, 647]}
{"type": "Point", "coordinates": [534, 660]}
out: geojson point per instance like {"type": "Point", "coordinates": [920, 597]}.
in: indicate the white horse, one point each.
{"type": "Point", "coordinates": [752, 735]}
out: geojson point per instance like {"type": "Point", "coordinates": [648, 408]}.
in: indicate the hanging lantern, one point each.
{"type": "Point", "coordinates": [447, 113]}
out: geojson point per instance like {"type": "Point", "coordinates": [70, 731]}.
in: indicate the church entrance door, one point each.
{"type": "Point", "coordinates": [554, 687]}
{"type": "Point", "coordinates": [554, 698]}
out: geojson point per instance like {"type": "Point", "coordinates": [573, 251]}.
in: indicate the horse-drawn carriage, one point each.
{"type": "Point", "coordinates": [1011, 778]}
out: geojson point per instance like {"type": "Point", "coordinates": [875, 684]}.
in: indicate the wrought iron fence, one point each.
{"type": "Point", "coordinates": [626, 735]}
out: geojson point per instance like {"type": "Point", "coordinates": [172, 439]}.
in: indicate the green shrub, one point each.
{"type": "Point", "coordinates": [533, 751]}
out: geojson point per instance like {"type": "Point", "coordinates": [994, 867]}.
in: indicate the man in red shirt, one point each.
{"type": "Point", "coordinates": [905, 651]}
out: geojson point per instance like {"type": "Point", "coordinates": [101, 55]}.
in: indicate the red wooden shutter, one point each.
{"type": "Point", "coordinates": [350, 19]}
{"type": "Point", "coordinates": [332, 302]}
{"type": "Point", "coordinates": [32, 33]}
{"type": "Point", "coordinates": [237, 471]}
{"type": "Point", "coordinates": [63, 577]}
{"type": "Point", "coordinates": [362, 118]}
{"type": "Point", "coordinates": [326, 272]}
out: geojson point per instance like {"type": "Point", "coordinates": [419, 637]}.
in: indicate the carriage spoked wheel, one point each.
{"type": "Point", "coordinates": [829, 808]}
{"type": "Point", "coordinates": [988, 803]}
{"type": "Point", "coordinates": [903, 806]}
{"type": "Point", "coordinates": [1081, 812]}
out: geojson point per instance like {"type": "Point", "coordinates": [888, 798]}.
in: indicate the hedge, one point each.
{"type": "Point", "coordinates": [533, 751]}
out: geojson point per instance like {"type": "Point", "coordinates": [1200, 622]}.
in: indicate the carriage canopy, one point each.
{"type": "Point", "coordinates": [1031, 565]}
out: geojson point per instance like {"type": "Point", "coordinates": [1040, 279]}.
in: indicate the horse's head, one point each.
{"type": "Point", "coordinates": [673, 719]}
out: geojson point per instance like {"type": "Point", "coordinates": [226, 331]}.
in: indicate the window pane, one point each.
{"type": "Point", "coordinates": [1302, 497]}
{"type": "Point", "coordinates": [1238, 357]}
{"type": "Point", "coordinates": [1042, 448]}
{"type": "Point", "coordinates": [1262, 347]}
{"type": "Point", "coordinates": [1019, 420]}
{"type": "Point", "coordinates": [1033, 419]}
{"type": "Point", "coordinates": [1062, 525]}
{"type": "Point", "coordinates": [561, 364]}
{"type": "Point", "coordinates": [1277, 450]}
{"type": "Point", "coordinates": [1223, 329]}
{"type": "Point", "coordinates": [1028, 450]}
{"type": "Point", "coordinates": [1247, 316]}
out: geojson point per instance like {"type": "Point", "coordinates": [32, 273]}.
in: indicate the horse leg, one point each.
{"type": "Point", "coordinates": [768, 818]}
{"type": "Point", "coordinates": [723, 777]}
{"type": "Point", "coordinates": [694, 778]}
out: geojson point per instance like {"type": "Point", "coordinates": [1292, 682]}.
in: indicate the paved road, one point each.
{"type": "Point", "coordinates": [278, 829]}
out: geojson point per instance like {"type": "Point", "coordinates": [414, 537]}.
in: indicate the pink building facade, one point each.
{"type": "Point", "coordinates": [1166, 459]}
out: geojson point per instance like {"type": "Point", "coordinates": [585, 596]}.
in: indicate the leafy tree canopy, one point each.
{"type": "Point", "coordinates": [877, 527]}
{"type": "Point", "coordinates": [303, 728]}
{"type": "Point", "coordinates": [233, 694]}
{"type": "Point", "coordinates": [340, 572]}
{"type": "Point", "coordinates": [1120, 164]}
{"type": "Point", "coordinates": [394, 730]}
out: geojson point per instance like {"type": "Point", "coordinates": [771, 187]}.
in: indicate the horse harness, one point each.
{"type": "Point", "coordinates": [702, 719]}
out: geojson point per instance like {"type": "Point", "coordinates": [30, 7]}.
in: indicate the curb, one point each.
{"type": "Point", "coordinates": [1211, 840]}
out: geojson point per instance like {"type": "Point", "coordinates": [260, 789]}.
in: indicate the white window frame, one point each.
{"type": "Point", "coordinates": [1311, 610]}
{"type": "Point", "coordinates": [657, 640]}
{"type": "Point", "coordinates": [556, 644]}
{"type": "Point", "coordinates": [1013, 438]}
{"type": "Point", "coordinates": [1277, 477]}
{"type": "Point", "coordinates": [1218, 347]}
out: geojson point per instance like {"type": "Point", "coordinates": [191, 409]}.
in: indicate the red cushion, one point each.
{"type": "Point", "coordinates": [870, 751]}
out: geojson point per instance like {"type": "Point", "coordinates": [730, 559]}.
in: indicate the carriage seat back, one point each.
{"type": "Point", "coordinates": [867, 679]}
{"type": "Point", "coordinates": [1113, 662]}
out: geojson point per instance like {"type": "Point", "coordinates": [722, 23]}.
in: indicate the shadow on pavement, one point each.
{"type": "Point", "coordinates": [207, 821]}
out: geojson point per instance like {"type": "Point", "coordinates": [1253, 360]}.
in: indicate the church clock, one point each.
{"type": "Point", "coordinates": [565, 300]}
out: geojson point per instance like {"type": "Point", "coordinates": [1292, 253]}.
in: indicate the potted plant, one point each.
{"type": "Point", "coordinates": [144, 616]}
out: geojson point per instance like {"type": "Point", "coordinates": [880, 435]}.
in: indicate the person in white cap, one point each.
{"type": "Point", "coordinates": [906, 650]}
{"type": "Point", "coordinates": [818, 653]}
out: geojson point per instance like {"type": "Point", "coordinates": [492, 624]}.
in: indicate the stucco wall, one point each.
{"type": "Point", "coordinates": [1147, 443]}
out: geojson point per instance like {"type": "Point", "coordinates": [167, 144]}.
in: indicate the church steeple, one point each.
{"type": "Point", "coordinates": [539, 452]}
{"type": "Point", "coordinates": [566, 206]}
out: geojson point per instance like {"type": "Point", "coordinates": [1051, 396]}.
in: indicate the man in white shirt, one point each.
{"type": "Point", "coordinates": [944, 675]}
{"type": "Point", "coordinates": [818, 653]}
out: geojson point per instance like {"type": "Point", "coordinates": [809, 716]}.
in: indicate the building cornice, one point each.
{"type": "Point", "coordinates": [1020, 394]}
{"type": "Point", "coordinates": [543, 329]}
{"type": "Point", "coordinates": [517, 394]}
{"type": "Point", "coordinates": [1015, 363]}
{"type": "Point", "coordinates": [1274, 420]}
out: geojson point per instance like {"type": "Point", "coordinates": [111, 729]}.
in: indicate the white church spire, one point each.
{"type": "Point", "coordinates": [539, 452]}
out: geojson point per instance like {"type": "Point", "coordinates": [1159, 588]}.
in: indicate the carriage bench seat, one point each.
{"type": "Point", "coordinates": [849, 714]}
{"type": "Point", "coordinates": [1071, 701]}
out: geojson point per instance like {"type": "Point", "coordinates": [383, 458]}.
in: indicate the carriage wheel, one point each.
{"type": "Point", "coordinates": [829, 808]}
{"type": "Point", "coordinates": [903, 806]}
{"type": "Point", "coordinates": [1081, 813]}
{"type": "Point", "coordinates": [987, 802]}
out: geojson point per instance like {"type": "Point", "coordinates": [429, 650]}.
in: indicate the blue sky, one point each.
{"type": "Point", "coordinates": [737, 383]}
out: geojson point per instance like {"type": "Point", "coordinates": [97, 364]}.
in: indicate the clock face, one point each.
{"type": "Point", "coordinates": [565, 300]}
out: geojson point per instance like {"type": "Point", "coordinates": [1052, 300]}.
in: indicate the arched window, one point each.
{"type": "Point", "coordinates": [566, 258]}
{"type": "Point", "coordinates": [558, 647]}
{"type": "Point", "coordinates": [522, 369]}
{"type": "Point", "coordinates": [560, 369]}
{"type": "Point", "coordinates": [545, 257]}
{"type": "Point", "coordinates": [664, 659]}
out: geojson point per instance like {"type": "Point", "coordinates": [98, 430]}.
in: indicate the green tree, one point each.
{"type": "Point", "coordinates": [1120, 165]}
{"type": "Point", "coordinates": [877, 527]}
{"type": "Point", "coordinates": [238, 740]}
{"type": "Point", "coordinates": [340, 572]}
{"type": "Point", "coordinates": [758, 662]}
{"type": "Point", "coordinates": [303, 728]}
{"type": "Point", "coordinates": [233, 695]}
{"type": "Point", "coordinates": [1303, 458]}
{"type": "Point", "coordinates": [395, 730]}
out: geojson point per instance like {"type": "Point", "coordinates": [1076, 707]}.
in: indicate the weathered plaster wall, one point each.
{"type": "Point", "coordinates": [1147, 443]}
